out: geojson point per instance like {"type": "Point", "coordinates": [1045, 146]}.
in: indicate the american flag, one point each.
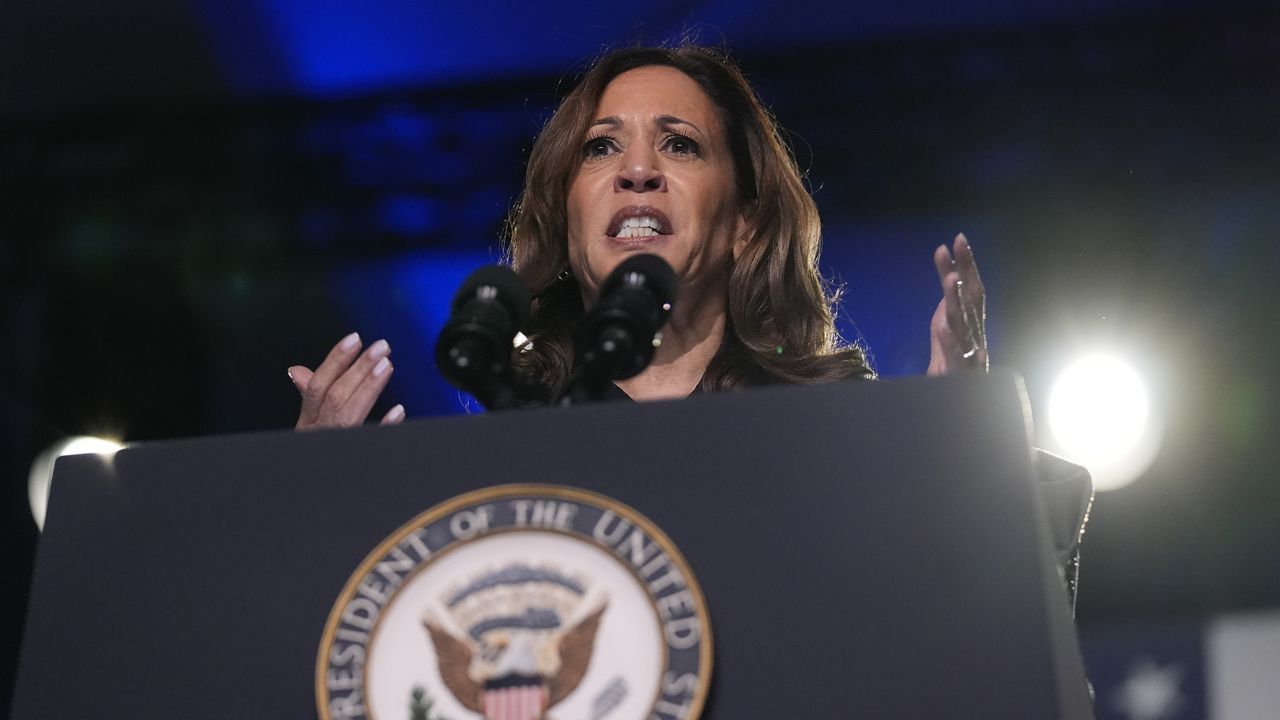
{"type": "Point", "coordinates": [1226, 668]}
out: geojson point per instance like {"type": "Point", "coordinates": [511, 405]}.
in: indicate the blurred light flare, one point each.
{"type": "Point", "coordinates": [41, 478]}
{"type": "Point", "coordinates": [1100, 416]}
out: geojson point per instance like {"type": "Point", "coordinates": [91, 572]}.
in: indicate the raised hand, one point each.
{"type": "Point", "coordinates": [342, 391]}
{"type": "Point", "coordinates": [958, 331]}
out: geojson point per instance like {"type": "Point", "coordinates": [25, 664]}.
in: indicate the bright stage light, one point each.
{"type": "Point", "coordinates": [41, 476]}
{"type": "Point", "coordinates": [1100, 417]}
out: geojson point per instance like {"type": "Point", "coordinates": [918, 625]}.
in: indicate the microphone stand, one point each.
{"type": "Point", "coordinates": [598, 366]}
{"type": "Point", "coordinates": [495, 392]}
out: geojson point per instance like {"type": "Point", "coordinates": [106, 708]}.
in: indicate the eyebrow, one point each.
{"type": "Point", "coordinates": [663, 120]}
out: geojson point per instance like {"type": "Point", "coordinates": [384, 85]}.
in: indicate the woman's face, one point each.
{"type": "Point", "coordinates": [656, 176]}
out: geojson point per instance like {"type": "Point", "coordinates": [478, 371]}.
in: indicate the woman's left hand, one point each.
{"type": "Point", "coordinates": [958, 331]}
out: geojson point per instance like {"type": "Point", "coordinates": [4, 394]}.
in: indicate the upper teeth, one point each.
{"type": "Point", "coordinates": [639, 227]}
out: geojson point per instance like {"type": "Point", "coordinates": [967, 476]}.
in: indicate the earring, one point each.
{"type": "Point", "coordinates": [565, 274]}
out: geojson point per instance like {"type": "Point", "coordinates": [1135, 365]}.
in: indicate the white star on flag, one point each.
{"type": "Point", "coordinates": [1150, 692]}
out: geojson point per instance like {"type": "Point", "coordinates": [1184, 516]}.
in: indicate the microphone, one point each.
{"type": "Point", "coordinates": [617, 337]}
{"type": "Point", "coordinates": [473, 351]}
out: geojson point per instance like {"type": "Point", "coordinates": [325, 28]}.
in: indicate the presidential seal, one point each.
{"type": "Point", "coordinates": [519, 602]}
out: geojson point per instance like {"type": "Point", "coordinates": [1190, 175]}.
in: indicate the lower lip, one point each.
{"type": "Point", "coordinates": [636, 241]}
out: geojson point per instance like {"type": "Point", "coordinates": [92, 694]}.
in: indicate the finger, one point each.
{"type": "Point", "coordinates": [334, 365]}
{"type": "Point", "coordinates": [974, 297]}
{"type": "Point", "coordinates": [394, 416]}
{"type": "Point", "coordinates": [971, 323]}
{"type": "Point", "coordinates": [356, 407]}
{"type": "Point", "coordinates": [943, 262]}
{"type": "Point", "coordinates": [300, 376]}
{"type": "Point", "coordinates": [981, 360]}
{"type": "Point", "coordinates": [345, 386]}
{"type": "Point", "coordinates": [964, 260]}
{"type": "Point", "coordinates": [952, 288]}
{"type": "Point", "coordinates": [973, 291]}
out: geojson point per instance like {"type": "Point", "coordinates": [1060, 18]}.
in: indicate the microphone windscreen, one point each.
{"type": "Point", "coordinates": [510, 291]}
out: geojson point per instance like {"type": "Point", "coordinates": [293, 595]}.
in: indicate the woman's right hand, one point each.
{"type": "Point", "coordinates": [342, 391]}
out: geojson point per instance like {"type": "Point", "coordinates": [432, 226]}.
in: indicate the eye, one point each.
{"type": "Point", "coordinates": [598, 147]}
{"type": "Point", "coordinates": [680, 145]}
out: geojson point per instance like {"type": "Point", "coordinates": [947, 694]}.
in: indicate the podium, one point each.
{"type": "Point", "coordinates": [866, 550]}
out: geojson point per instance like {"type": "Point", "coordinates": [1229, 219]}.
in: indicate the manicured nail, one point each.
{"type": "Point", "coordinates": [380, 349]}
{"type": "Point", "coordinates": [395, 414]}
{"type": "Point", "coordinates": [351, 342]}
{"type": "Point", "coordinates": [381, 368]}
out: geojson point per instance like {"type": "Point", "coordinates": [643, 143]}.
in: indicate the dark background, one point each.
{"type": "Point", "coordinates": [195, 195]}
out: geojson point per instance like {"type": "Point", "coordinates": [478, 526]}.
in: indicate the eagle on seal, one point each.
{"type": "Point", "coordinates": [541, 667]}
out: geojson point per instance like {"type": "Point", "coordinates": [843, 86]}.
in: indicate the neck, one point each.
{"type": "Point", "coordinates": [688, 344]}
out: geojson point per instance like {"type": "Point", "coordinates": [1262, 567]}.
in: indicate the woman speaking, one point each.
{"type": "Point", "coordinates": [670, 152]}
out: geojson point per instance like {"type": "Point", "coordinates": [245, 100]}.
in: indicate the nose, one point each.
{"type": "Point", "coordinates": [639, 172]}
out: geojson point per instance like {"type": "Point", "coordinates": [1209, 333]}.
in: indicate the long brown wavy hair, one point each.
{"type": "Point", "coordinates": [780, 325]}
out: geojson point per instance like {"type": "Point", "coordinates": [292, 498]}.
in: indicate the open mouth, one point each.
{"type": "Point", "coordinates": [638, 221]}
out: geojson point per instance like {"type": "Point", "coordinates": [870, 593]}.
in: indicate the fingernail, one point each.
{"type": "Point", "coordinates": [381, 368]}
{"type": "Point", "coordinates": [351, 341]}
{"type": "Point", "coordinates": [289, 372]}
{"type": "Point", "coordinates": [380, 349]}
{"type": "Point", "coordinates": [395, 414]}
